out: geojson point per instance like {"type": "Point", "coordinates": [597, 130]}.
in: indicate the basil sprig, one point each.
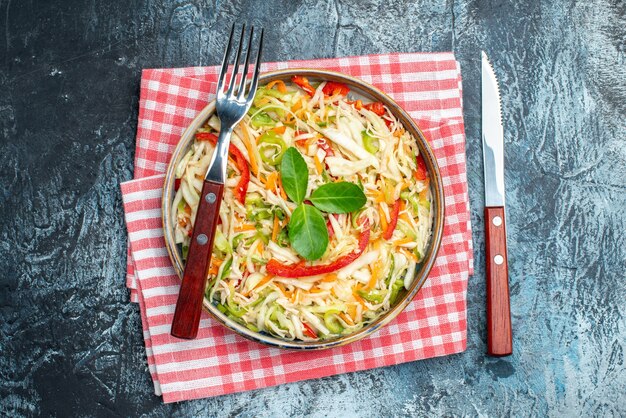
{"type": "Point", "coordinates": [308, 233]}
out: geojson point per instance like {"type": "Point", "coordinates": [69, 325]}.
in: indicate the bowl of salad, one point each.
{"type": "Point", "coordinates": [332, 213]}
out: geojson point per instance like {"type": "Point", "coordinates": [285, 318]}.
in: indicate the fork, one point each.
{"type": "Point", "coordinates": [231, 106]}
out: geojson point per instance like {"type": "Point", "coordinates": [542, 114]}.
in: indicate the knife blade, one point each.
{"type": "Point", "coordinates": [499, 332]}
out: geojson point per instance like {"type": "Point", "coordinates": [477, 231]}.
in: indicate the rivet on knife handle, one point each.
{"type": "Point", "coordinates": [499, 335]}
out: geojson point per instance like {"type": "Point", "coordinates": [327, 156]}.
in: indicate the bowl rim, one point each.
{"type": "Point", "coordinates": [437, 190]}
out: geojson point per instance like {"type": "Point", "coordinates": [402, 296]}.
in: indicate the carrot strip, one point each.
{"type": "Point", "coordinates": [286, 293]}
{"type": "Point", "coordinates": [261, 282]}
{"type": "Point", "coordinates": [275, 228]}
{"type": "Point", "coordinates": [271, 181]}
{"type": "Point", "coordinates": [245, 227]}
{"type": "Point", "coordinates": [280, 129]}
{"type": "Point", "coordinates": [389, 194]}
{"type": "Point", "coordinates": [383, 218]}
{"type": "Point", "coordinates": [406, 218]}
{"type": "Point", "coordinates": [280, 85]}
{"type": "Point", "coordinates": [352, 312]}
{"type": "Point", "coordinates": [378, 195]}
{"type": "Point", "coordinates": [295, 296]}
{"type": "Point", "coordinates": [330, 277]}
{"type": "Point", "coordinates": [248, 144]}
{"type": "Point", "coordinates": [376, 268]}
{"type": "Point", "coordinates": [424, 193]}
{"type": "Point", "coordinates": [215, 266]}
{"type": "Point", "coordinates": [408, 254]}
{"type": "Point", "coordinates": [263, 102]}
{"type": "Point", "coordinates": [297, 106]}
{"type": "Point", "coordinates": [318, 164]}
{"type": "Point", "coordinates": [346, 318]}
{"type": "Point", "coordinates": [358, 299]}
{"type": "Point", "coordinates": [282, 192]}
{"type": "Point", "coordinates": [398, 133]}
{"type": "Point", "coordinates": [402, 241]}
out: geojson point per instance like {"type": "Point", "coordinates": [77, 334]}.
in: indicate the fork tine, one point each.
{"type": "Point", "coordinates": [255, 74]}
{"type": "Point", "coordinates": [242, 84]}
{"type": "Point", "coordinates": [220, 82]}
{"type": "Point", "coordinates": [233, 78]}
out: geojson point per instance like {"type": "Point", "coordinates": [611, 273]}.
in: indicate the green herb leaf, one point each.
{"type": "Point", "coordinates": [294, 175]}
{"type": "Point", "coordinates": [374, 295]}
{"type": "Point", "coordinates": [307, 232]}
{"type": "Point", "coordinates": [341, 197]}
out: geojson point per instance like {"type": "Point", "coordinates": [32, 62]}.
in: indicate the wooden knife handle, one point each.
{"type": "Point", "coordinates": [499, 334]}
{"type": "Point", "coordinates": [189, 304]}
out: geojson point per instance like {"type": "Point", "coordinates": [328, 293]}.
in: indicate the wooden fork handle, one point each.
{"type": "Point", "coordinates": [499, 334]}
{"type": "Point", "coordinates": [189, 304]}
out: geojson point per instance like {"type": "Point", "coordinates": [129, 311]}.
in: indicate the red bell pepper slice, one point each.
{"type": "Point", "coordinates": [242, 186]}
{"type": "Point", "coordinates": [329, 226]}
{"type": "Point", "coordinates": [301, 270]}
{"type": "Point", "coordinates": [176, 184]}
{"type": "Point", "coordinates": [421, 173]}
{"type": "Point", "coordinates": [300, 142]}
{"type": "Point", "coordinates": [331, 88]}
{"type": "Point", "coordinates": [308, 331]}
{"type": "Point", "coordinates": [394, 220]}
{"type": "Point", "coordinates": [323, 144]}
{"type": "Point", "coordinates": [358, 105]}
{"type": "Point", "coordinates": [303, 83]}
{"type": "Point", "coordinates": [376, 107]}
{"type": "Point", "coordinates": [331, 230]}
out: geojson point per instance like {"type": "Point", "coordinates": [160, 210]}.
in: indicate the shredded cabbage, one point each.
{"type": "Point", "coordinates": [328, 132]}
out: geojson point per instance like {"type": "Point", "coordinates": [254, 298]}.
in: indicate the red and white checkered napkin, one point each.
{"type": "Point", "coordinates": [428, 86]}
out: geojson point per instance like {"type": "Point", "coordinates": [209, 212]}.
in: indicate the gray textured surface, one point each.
{"type": "Point", "coordinates": [70, 342]}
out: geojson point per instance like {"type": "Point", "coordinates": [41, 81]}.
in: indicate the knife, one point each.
{"type": "Point", "coordinates": [499, 334]}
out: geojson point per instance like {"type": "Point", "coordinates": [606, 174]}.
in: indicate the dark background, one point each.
{"type": "Point", "coordinates": [70, 340]}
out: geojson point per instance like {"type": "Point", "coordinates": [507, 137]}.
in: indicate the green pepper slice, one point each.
{"type": "Point", "coordinates": [237, 239]}
{"type": "Point", "coordinates": [271, 147]}
{"type": "Point", "coordinates": [374, 295]}
{"type": "Point", "coordinates": [370, 143]}
{"type": "Point", "coordinates": [406, 229]}
{"type": "Point", "coordinates": [282, 239]}
{"type": "Point", "coordinates": [227, 268]}
{"type": "Point", "coordinates": [185, 251]}
{"type": "Point", "coordinates": [332, 322]}
{"type": "Point", "coordinates": [262, 119]}
{"type": "Point", "coordinates": [395, 290]}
